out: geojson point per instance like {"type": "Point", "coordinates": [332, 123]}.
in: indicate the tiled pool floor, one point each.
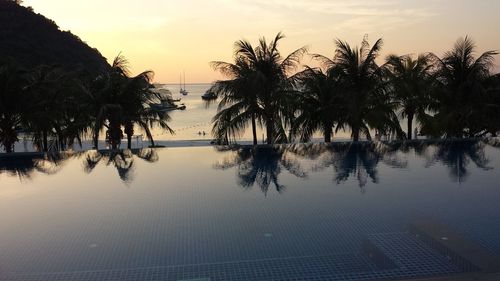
{"type": "Point", "coordinates": [409, 256]}
{"type": "Point", "coordinates": [334, 213]}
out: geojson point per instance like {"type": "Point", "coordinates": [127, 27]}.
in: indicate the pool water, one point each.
{"type": "Point", "coordinates": [298, 212]}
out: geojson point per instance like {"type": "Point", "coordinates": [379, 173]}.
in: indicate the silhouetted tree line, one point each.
{"type": "Point", "coordinates": [57, 90]}
{"type": "Point", "coordinates": [57, 108]}
{"type": "Point", "coordinates": [453, 96]}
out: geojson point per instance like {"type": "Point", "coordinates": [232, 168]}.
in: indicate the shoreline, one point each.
{"type": "Point", "coordinates": [86, 146]}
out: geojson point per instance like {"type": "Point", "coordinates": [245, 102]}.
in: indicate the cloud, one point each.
{"type": "Point", "coordinates": [366, 15]}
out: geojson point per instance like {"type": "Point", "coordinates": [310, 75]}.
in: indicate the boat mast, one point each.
{"type": "Point", "coordinates": [184, 72]}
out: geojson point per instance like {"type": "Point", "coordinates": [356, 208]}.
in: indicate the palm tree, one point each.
{"type": "Point", "coordinates": [102, 99]}
{"type": "Point", "coordinates": [137, 96]}
{"type": "Point", "coordinates": [263, 73]}
{"type": "Point", "coordinates": [411, 82]}
{"type": "Point", "coordinates": [366, 103]}
{"type": "Point", "coordinates": [239, 102]}
{"type": "Point", "coordinates": [317, 102]}
{"type": "Point", "coordinates": [462, 96]}
{"type": "Point", "coordinates": [46, 105]}
{"type": "Point", "coordinates": [13, 103]}
{"type": "Point", "coordinates": [118, 99]}
{"type": "Point", "coordinates": [491, 113]}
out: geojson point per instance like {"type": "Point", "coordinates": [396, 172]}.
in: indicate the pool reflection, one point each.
{"type": "Point", "coordinates": [261, 165]}
{"type": "Point", "coordinates": [26, 165]}
{"type": "Point", "coordinates": [456, 155]}
{"type": "Point", "coordinates": [360, 161]}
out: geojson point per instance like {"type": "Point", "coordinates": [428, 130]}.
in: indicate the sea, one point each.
{"type": "Point", "coordinates": [195, 123]}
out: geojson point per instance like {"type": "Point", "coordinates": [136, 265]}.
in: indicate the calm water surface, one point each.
{"type": "Point", "coordinates": [268, 213]}
{"type": "Point", "coordinates": [190, 124]}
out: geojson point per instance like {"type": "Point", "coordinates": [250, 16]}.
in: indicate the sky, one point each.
{"type": "Point", "coordinates": [172, 36]}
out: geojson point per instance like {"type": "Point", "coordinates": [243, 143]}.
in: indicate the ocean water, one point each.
{"type": "Point", "coordinates": [189, 124]}
{"type": "Point", "coordinates": [197, 118]}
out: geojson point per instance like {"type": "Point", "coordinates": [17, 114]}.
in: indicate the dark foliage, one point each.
{"type": "Point", "coordinates": [32, 40]}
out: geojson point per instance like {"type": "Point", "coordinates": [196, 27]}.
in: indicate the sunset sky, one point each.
{"type": "Point", "coordinates": [170, 36]}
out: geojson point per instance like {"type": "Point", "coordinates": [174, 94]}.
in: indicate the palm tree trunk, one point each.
{"type": "Point", "coordinates": [129, 141]}
{"type": "Point", "coordinates": [8, 148]}
{"type": "Point", "coordinates": [62, 141]}
{"type": "Point", "coordinates": [149, 136]}
{"type": "Point", "coordinates": [328, 132]}
{"type": "Point", "coordinates": [8, 143]}
{"type": "Point", "coordinates": [129, 131]}
{"type": "Point", "coordinates": [96, 139]}
{"type": "Point", "coordinates": [269, 131]}
{"type": "Point", "coordinates": [410, 124]}
{"type": "Point", "coordinates": [45, 145]}
{"type": "Point", "coordinates": [115, 131]}
{"type": "Point", "coordinates": [8, 136]}
{"type": "Point", "coordinates": [254, 130]}
{"type": "Point", "coordinates": [355, 134]}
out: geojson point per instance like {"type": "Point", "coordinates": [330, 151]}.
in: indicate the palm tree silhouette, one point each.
{"type": "Point", "coordinates": [457, 155]}
{"type": "Point", "coordinates": [317, 102]}
{"type": "Point", "coordinates": [20, 166]}
{"type": "Point", "coordinates": [13, 100]}
{"type": "Point", "coordinates": [239, 101]}
{"type": "Point", "coordinates": [53, 111]}
{"type": "Point", "coordinates": [462, 97]}
{"type": "Point", "coordinates": [411, 82]}
{"type": "Point", "coordinates": [24, 166]}
{"type": "Point", "coordinates": [122, 160]}
{"type": "Point", "coordinates": [358, 160]}
{"type": "Point", "coordinates": [259, 89]}
{"type": "Point", "coordinates": [365, 103]}
{"type": "Point", "coordinates": [118, 99]}
{"type": "Point", "coordinates": [261, 165]}
{"type": "Point", "coordinates": [137, 96]}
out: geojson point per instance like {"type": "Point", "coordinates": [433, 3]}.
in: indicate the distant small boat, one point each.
{"type": "Point", "coordinates": [209, 95]}
{"type": "Point", "coordinates": [183, 90]}
{"type": "Point", "coordinates": [166, 103]}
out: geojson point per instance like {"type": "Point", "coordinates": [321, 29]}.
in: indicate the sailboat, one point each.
{"type": "Point", "coordinates": [183, 90]}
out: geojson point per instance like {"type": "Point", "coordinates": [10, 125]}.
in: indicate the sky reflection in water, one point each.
{"type": "Point", "coordinates": [177, 206]}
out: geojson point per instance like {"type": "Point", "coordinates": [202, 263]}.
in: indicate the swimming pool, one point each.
{"type": "Point", "coordinates": [345, 211]}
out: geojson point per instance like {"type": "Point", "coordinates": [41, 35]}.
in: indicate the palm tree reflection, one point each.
{"type": "Point", "coordinates": [21, 166]}
{"type": "Point", "coordinates": [262, 165]}
{"type": "Point", "coordinates": [358, 160]}
{"type": "Point", "coordinates": [24, 166]}
{"type": "Point", "coordinates": [457, 156]}
{"type": "Point", "coordinates": [123, 161]}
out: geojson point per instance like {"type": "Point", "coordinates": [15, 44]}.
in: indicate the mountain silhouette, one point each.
{"type": "Point", "coordinates": [30, 39]}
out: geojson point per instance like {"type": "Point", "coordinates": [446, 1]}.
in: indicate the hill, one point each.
{"type": "Point", "coordinates": [31, 39]}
